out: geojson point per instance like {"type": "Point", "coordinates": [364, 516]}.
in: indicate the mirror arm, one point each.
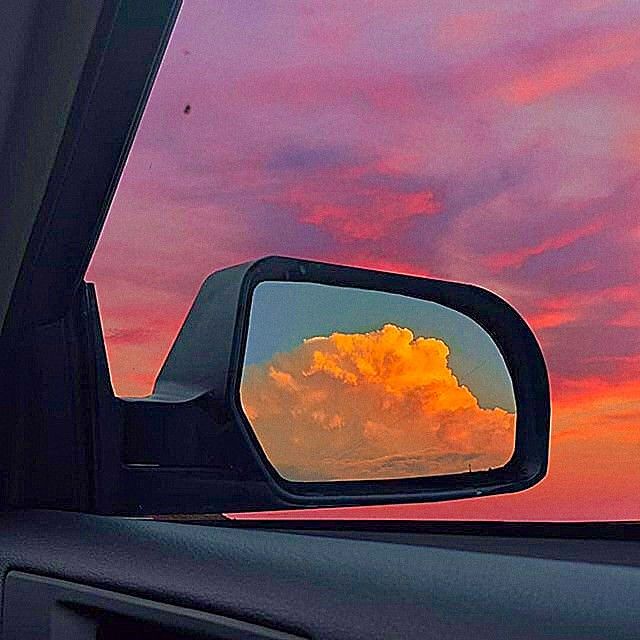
{"type": "Point", "coordinates": [195, 433]}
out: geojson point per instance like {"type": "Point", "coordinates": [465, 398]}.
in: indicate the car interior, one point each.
{"type": "Point", "coordinates": [111, 522]}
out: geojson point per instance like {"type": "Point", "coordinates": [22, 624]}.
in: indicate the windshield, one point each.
{"type": "Point", "coordinates": [496, 143]}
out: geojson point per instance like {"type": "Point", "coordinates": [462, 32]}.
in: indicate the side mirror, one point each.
{"type": "Point", "coordinates": [302, 384]}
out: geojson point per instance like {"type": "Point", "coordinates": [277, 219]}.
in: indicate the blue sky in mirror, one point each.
{"type": "Point", "coordinates": [284, 314]}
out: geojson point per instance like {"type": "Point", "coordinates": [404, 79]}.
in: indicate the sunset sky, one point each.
{"type": "Point", "coordinates": [492, 142]}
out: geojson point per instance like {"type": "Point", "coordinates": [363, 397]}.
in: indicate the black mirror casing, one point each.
{"type": "Point", "coordinates": [197, 393]}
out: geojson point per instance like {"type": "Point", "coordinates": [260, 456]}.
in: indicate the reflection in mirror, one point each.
{"type": "Point", "coordinates": [348, 384]}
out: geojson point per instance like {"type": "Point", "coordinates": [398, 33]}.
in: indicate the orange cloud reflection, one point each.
{"type": "Point", "coordinates": [371, 405]}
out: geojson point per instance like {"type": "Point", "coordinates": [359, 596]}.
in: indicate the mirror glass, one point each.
{"type": "Point", "coordinates": [349, 384]}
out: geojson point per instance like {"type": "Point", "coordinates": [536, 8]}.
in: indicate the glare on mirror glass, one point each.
{"type": "Point", "coordinates": [348, 384]}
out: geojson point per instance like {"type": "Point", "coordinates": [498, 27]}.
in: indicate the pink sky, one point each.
{"type": "Point", "coordinates": [491, 142]}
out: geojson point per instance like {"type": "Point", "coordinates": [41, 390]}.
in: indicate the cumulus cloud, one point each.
{"type": "Point", "coordinates": [371, 405]}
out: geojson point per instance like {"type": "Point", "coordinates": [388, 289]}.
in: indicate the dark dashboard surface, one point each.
{"type": "Point", "coordinates": [323, 586]}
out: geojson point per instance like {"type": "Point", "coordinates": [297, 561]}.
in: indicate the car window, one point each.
{"type": "Point", "coordinates": [496, 143]}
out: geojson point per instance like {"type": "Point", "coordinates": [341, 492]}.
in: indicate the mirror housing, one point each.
{"type": "Point", "coordinates": [193, 434]}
